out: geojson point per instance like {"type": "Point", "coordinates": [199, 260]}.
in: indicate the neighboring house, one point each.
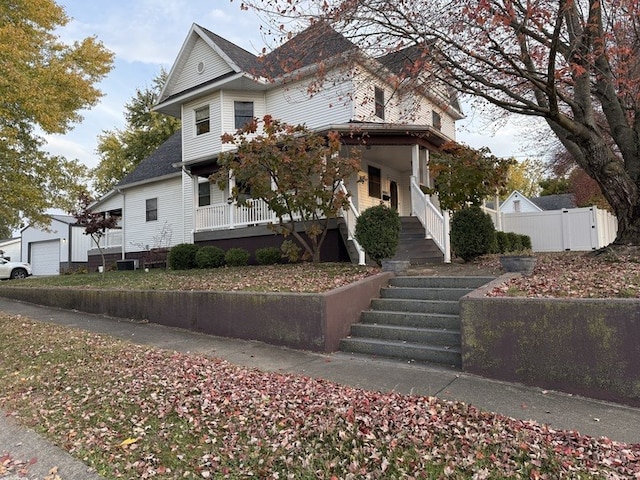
{"type": "Point", "coordinates": [318, 78]}
{"type": "Point", "coordinates": [10, 248]}
{"type": "Point", "coordinates": [60, 247]}
{"type": "Point", "coordinates": [554, 223]}
{"type": "Point", "coordinates": [517, 202]}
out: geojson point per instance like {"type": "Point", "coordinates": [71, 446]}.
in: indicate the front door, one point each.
{"type": "Point", "coordinates": [393, 190]}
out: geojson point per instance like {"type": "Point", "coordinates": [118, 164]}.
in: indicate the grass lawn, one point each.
{"type": "Point", "coordinates": [135, 412]}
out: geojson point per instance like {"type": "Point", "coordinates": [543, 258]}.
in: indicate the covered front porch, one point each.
{"type": "Point", "coordinates": [394, 167]}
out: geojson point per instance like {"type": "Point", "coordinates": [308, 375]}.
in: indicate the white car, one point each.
{"type": "Point", "coordinates": [14, 269]}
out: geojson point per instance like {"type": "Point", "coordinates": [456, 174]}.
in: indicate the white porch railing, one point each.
{"type": "Point", "coordinates": [436, 224]}
{"type": "Point", "coordinates": [225, 216]}
{"type": "Point", "coordinates": [350, 216]}
{"type": "Point", "coordinates": [111, 238]}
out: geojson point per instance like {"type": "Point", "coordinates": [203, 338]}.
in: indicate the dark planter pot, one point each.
{"type": "Point", "coordinates": [521, 264]}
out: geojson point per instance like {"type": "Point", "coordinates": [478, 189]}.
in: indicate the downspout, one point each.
{"type": "Point", "coordinates": [123, 242]}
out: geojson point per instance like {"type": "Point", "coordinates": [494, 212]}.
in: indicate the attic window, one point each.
{"type": "Point", "coordinates": [243, 112]}
{"type": "Point", "coordinates": [379, 101]}
{"type": "Point", "coordinates": [202, 120]}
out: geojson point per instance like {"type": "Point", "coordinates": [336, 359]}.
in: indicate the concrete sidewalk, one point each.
{"type": "Point", "coordinates": [560, 411]}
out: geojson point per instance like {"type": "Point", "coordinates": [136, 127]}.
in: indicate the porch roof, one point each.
{"type": "Point", "coordinates": [353, 133]}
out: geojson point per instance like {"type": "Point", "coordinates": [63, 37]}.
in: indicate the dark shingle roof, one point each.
{"type": "Point", "coordinates": [247, 61]}
{"type": "Point", "coordinates": [159, 163]}
{"type": "Point", "coordinates": [555, 202]}
{"type": "Point", "coordinates": [318, 43]}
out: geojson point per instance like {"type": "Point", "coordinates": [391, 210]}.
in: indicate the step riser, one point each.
{"type": "Point", "coordinates": [415, 320]}
{"type": "Point", "coordinates": [408, 352]}
{"type": "Point", "coordinates": [450, 294]}
{"type": "Point", "coordinates": [426, 337]}
{"type": "Point", "coordinates": [441, 282]}
{"type": "Point", "coordinates": [419, 306]}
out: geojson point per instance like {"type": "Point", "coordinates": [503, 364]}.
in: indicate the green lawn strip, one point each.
{"type": "Point", "coordinates": [133, 411]}
{"type": "Point", "coordinates": [304, 277]}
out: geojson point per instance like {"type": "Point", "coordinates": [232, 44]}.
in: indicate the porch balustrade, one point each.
{"type": "Point", "coordinates": [436, 224]}
{"type": "Point", "coordinates": [224, 216]}
{"type": "Point", "coordinates": [111, 238]}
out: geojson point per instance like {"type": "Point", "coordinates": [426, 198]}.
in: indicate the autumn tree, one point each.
{"type": "Point", "coordinates": [44, 84]}
{"type": "Point", "coordinates": [296, 172]}
{"type": "Point", "coordinates": [574, 63]}
{"type": "Point", "coordinates": [121, 151]}
{"type": "Point", "coordinates": [466, 176]}
{"type": "Point", "coordinates": [525, 176]}
{"type": "Point", "coordinates": [95, 224]}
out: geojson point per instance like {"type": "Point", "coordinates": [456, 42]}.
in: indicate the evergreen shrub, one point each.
{"type": "Point", "coordinates": [210, 256]}
{"type": "Point", "coordinates": [237, 257]}
{"type": "Point", "coordinates": [183, 256]}
{"type": "Point", "coordinates": [378, 232]}
{"type": "Point", "coordinates": [472, 233]}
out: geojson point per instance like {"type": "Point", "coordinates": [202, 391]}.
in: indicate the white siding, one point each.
{"type": "Point", "coordinates": [112, 203]}
{"type": "Point", "coordinates": [188, 204]}
{"type": "Point", "coordinates": [228, 113]}
{"type": "Point", "coordinates": [400, 107]}
{"type": "Point", "coordinates": [214, 66]}
{"type": "Point", "coordinates": [293, 104]}
{"type": "Point", "coordinates": [11, 249]}
{"type": "Point", "coordinates": [80, 244]}
{"type": "Point", "coordinates": [516, 202]}
{"type": "Point", "coordinates": [167, 229]}
{"type": "Point", "coordinates": [57, 230]}
{"type": "Point", "coordinates": [205, 145]}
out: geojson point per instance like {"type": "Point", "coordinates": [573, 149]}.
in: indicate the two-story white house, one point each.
{"type": "Point", "coordinates": [318, 78]}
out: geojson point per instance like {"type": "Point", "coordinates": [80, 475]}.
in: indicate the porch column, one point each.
{"type": "Point", "coordinates": [415, 161]}
{"type": "Point", "coordinates": [194, 208]}
{"type": "Point", "coordinates": [230, 202]}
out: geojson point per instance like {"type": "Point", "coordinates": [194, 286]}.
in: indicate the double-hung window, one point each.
{"type": "Point", "coordinates": [243, 113]}
{"type": "Point", "coordinates": [436, 120]}
{"type": "Point", "coordinates": [202, 120]}
{"type": "Point", "coordinates": [152, 209]}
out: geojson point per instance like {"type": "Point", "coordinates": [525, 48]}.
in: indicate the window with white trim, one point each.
{"type": "Point", "coordinates": [202, 120]}
{"type": "Point", "coordinates": [379, 102]}
{"type": "Point", "coordinates": [243, 113]}
{"type": "Point", "coordinates": [152, 209]}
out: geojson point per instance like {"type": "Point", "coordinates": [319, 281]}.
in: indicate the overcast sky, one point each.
{"type": "Point", "coordinates": [146, 35]}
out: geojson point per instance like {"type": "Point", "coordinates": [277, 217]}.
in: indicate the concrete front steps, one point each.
{"type": "Point", "coordinates": [414, 247]}
{"type": "Point", "coordinates": [415, 319]}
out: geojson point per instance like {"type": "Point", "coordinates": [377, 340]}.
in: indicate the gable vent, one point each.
{"type": "Point", "coordinates": [200, 67]}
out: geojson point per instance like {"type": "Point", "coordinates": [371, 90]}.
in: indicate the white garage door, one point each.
{"type": "Point", "coordinates": [45, 257]}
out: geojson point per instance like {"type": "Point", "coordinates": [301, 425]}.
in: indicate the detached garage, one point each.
{"type": "Point", "coordinates": [56, 249]}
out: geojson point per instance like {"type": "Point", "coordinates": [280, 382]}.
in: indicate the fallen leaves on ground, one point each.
{"type": "Point", "coordinates": [197, 417]}
{"type": "Point", "coordinates": [577, 275]}
{"type": "Point", "coordinates": [299, 278]}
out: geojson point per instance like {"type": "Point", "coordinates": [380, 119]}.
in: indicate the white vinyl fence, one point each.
{"type": "Point", "coordinates": [586, 228]}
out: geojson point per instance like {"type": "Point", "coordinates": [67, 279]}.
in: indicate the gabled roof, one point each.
{"type": "Point", "coordinates": [317, 44]}
{"type": "Point", "coordinates": [518, 196]}
{"type": "Point", "coordinates": [243, 59]}
{"type": "Point", "coordinates": [159, 163]}
{"type": "Point", "coordinates": [555, 202]}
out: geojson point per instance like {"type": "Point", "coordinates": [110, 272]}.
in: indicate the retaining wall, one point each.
{"type": "Point", "coordinates": [314, 322]}
{"type": "Point", "coordinates": [589, 347]}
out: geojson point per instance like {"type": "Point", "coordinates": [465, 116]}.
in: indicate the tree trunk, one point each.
{"type": "Point", "coordinates": [628, 227]}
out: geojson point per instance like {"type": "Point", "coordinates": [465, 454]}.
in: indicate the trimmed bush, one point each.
{"type": "Point", "coordinates": [378, 232]}
{"type": "Point", "coordinates": [515, 242]}
{"type": "Point", "coordinates": [237, 257]}
{"type": "Point", "coordinates": [502, 242]}
{"type": "Point", "coordinates": [526, 242]}
{"type": "Point", "coordinates": [183, 256]}
{"type": "Point", "coordinates": [210, 256]}
{"type": "Point", "coordinates": [268, 256]}
{"type": "Point", "coordinates": [472, 233]}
